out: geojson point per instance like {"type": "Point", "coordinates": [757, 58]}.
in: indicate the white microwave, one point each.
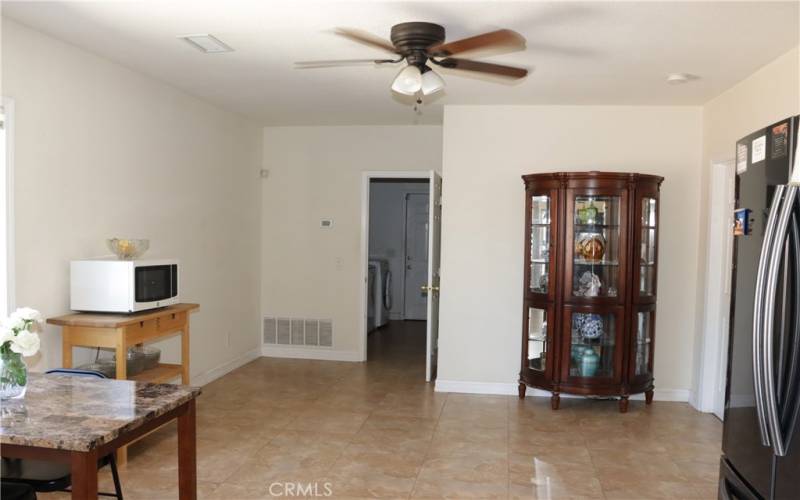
{"type": "Point", "coordinates": [122, 286]}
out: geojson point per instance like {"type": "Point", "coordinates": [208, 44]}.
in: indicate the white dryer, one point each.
{"type": "Point", "coordinates": [382, 292]}
{"type": "Point", "coordinates": [371, 272]}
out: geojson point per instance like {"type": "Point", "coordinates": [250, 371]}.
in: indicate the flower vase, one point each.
{"type": "Point", "coordinates": [13, 375]}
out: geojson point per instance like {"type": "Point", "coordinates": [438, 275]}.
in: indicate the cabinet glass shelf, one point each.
{"type": "Point", "coordinates": [584, 262]}
{"type": "Point", "coordinates": [597, 226]}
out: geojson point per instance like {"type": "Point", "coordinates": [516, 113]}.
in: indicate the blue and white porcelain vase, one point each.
{"type": "Point", "coordinates": [590, 362]}
{"type": "Point", "coordinates": [592, 326]}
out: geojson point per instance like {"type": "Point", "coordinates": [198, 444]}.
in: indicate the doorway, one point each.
{"type": "Point", "coordinates": [415, 300]}
{"type": "Point", "coordinates": [401, 213]}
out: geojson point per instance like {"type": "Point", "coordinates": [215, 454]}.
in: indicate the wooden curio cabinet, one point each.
{"type": "Point", "coordinates": [591, 255]}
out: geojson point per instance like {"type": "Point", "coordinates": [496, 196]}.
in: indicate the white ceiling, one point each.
{"type": "Point", "coordinates": [578, 52]}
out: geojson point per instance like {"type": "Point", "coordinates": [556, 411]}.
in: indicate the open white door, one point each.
{"type": "Point", "coordinates": [709, 393]}
{"type": "Point", "coordinates": [434, 243]}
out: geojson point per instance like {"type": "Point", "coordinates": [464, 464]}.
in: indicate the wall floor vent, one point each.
{"type": "Point", "coordinates": [298, 332]}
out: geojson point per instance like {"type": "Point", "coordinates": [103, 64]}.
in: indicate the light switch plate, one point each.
{"type": "Point", "coordinates": [326, 223]}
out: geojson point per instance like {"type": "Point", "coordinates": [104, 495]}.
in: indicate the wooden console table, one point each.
{"type": "Point", "coordinates": [121, 331]}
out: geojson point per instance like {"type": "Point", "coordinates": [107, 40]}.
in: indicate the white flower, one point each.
{"type": "Point", "coordinates": [27, 314]}
{"type": "Point", "coordinates": [25, 343]}
{"type": "Point", "coordinates": [6, 334]}
{"type": "Point", "coordinates": [14, 323]}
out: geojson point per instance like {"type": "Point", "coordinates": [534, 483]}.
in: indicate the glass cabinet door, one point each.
{"type": "Point", "coordinates": [592, 344]}
{"type": "Point", "coordinates": [647, 250]}
{"type": "Point", "coordinates": [642, 360]}
{"type": "Point", "coordinates": [596, 251]}
{"type": "Point", "coordinates": [538, 343]}
{"type": "Point", "coordinates": [540, 244]}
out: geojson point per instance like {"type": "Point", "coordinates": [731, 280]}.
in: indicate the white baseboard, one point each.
{"type": "Point", "coordinates": [511, 389]}
{"type": "Point", "coordinates": [679, 395]}
{"type": "Point", "coordinates": [272, 351]}
{"type": "Point", "coordinates": [475, 387]}
{"type": "Point", "coordinates": [224, 369]}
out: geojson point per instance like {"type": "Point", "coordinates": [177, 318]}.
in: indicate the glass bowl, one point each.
{"type": "Point", "coordinates": [127, 249]}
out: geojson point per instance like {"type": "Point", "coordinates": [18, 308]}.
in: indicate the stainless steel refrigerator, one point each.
{"type": "Point", "coordinates": [761, 437]}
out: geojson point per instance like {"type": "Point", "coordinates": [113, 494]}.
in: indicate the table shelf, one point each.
{"type": "Point", "coordinates": [164, 372]}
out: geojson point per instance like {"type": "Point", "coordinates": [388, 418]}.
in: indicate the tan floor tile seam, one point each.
{"type": "Point", "coordinates": [351, 441]}
{"type": "Point", "coordinates": [428, 449]}
{"type": "Point", "coordinates": [594, 467]}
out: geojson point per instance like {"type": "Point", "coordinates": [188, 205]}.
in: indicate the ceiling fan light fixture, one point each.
{"type": "Point", "coordinates": [408, 81]}
{"type": "Point", "coordinates": [431, 81]}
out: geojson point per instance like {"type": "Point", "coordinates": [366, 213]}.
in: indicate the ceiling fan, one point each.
{"type": "Point", "coordinates": [418, 43]}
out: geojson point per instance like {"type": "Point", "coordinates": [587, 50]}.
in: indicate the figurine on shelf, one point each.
{"type": "Point", "coordinates": [589, 285]}
{"type": "Point", "coordinates": [543, 280]}
{"type": "Point", "coordinates": [544, 251]}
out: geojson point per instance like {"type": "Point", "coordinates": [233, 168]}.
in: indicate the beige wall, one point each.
{"type": "Point", "coordinates": [316, 173]}
{"type": "Point", "coordinates": [769, 95]}
{"type": "Point", "coordinates": [102, 151]}
{"type": "Point", "coordinates": [486, 150]}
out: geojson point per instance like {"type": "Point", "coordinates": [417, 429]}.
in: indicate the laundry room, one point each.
{"type": "Point", "coordinates": [398, 253]}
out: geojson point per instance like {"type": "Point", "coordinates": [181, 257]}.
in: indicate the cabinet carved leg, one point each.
{"type": "Point", "coordinates": [648, 397]}
{"type": "Point", "coordinates": [623, 404]}
{"type": "Point", "coordinates": [522, 387]}
{"type": "Point", "coordinates": [555, 400]}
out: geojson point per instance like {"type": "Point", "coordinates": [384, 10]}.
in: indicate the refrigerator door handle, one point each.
{"type": "Point", "coordinates": [758, 314]}
{"type": "Point", "coordinates": [770, 290]}
{"type": "Point", "coordinates": [790, 415]}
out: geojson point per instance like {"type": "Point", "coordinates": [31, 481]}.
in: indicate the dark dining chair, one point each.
{"type": "Point", "coordinates": [16, 491]}
{"type": "Point", "coordinates": [46, 477]}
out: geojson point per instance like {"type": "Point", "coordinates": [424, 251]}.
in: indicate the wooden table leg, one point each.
{"type": "Point", "coordinates": [66, 349]}
{"type": "Point", "coordinates": [121, 353]}
{"type": "Point", "coordinates": [84, 475]}
{"type": "Point", "coordinates": [185, 353]}
{"type": "Point", "coordinates": [187, 454]}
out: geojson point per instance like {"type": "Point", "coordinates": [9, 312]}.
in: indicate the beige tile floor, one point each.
{"type": "Point", "coordinates": [378, 430]}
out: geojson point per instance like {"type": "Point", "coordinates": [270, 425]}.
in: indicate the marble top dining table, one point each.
{"type": "Point", "coordinates": [78, 419]}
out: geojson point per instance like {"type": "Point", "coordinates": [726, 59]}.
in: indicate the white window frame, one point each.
{"type": "Point", "coordinates": [7, 288]}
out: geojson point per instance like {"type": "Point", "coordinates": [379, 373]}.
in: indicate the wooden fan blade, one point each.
{"type": "Point", "coordinates": [366, 38]}
{"type": "Point", "coordinates": [483, 67]}
{"type": "Point", "coordinates": [339, 62]}
{"type": "Point", "coordinates": [494, 39]}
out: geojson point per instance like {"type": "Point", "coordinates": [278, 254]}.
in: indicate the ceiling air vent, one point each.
{"type": "Point", "coordinates": [206, 43]}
